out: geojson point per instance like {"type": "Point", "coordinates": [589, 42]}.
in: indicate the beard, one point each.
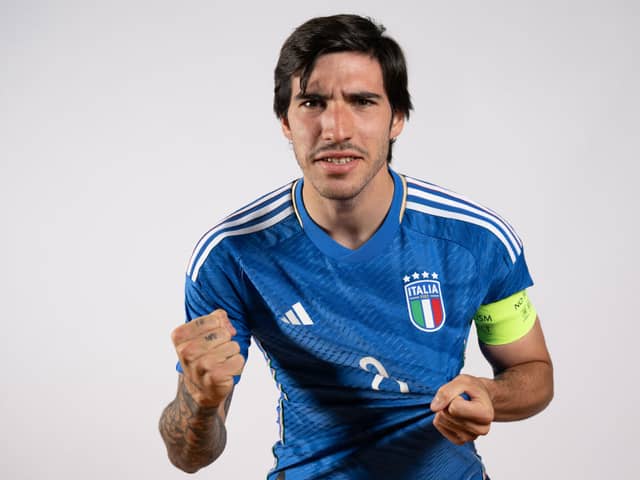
{"type": "Point", "coordinates": [342, 187]}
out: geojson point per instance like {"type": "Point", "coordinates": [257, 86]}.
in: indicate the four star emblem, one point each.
{"type": "Point", "coordinates": [416, 276]}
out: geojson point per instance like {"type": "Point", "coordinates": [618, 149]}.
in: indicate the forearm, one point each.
{"type": "Point", "coordinates": [521, 391]}
{"type": "Point", "coordinates": [194, 436]}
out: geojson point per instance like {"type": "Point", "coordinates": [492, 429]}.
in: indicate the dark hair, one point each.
{"type": "Point", "coordinates": [340, 33]}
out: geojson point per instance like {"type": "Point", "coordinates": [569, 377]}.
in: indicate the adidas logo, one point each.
{"type": "Point", "coordinates": [297, 315]}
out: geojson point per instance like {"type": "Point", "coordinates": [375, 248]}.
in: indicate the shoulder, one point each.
{"type": "Point", "coordinates": [263, 221]}
{"type": "Point", "coordinates": [440, 212]}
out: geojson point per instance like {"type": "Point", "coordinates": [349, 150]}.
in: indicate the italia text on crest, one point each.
{"type": "Point", "coordinates": [424, 301]}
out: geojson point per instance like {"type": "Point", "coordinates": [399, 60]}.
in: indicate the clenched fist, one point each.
{"type": "Point", "coordinates": [461, 420]}
{"type": "Point", "coordinates": [209, 357]}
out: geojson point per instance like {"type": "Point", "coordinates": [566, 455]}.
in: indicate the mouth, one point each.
{"type": "Point", "coordinates": [338, 156]}
{"type": "Point", "coordinates": [337, 160]}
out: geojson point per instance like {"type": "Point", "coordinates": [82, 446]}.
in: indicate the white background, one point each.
{"type": "Point", "coordinates": [128, 128]}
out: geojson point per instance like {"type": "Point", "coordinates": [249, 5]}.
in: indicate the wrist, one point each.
{"type": "Point", "coordinates": [490, 386]}
{"type": "Point", "coordinates": [198, 403]}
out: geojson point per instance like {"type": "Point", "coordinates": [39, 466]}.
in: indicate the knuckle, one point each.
{"type": "Point", "coordinates": [176, 335]}
{"type": "Point", "coordinates": [235, 347]}
{"type": "Point", "coordinates": [215, 336]}
{"type": "Point", "coordinates": [241, 360]}
{"type": "Point", "coordinates": [437, 422]}
{"type": "Point", "coordinates": [219, 315]}
{"type": "Point", "coordinates": [442, 390]}
{"type": "Point", "coordinates": [223, 334]}
{"type": "Point", "coordinates": [180, 350]}
{"type": "Point", "coordinates": [442, 395]}
{"type": "Point", "coordinates": [185, 352]}
{"type": "Point", "coordinates": [486, 415]}
{"type": "Point", "coordinates": [237, 363]}
{"type": "Point", "coordinates": [441, 420]}
{"type": "Point", "coordinates": [488, 418]}
{"type": "Point", "coordinates": [453, 408]}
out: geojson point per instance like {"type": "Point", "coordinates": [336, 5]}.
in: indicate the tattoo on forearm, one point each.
{"type": "Point", "coordinates": [194, 436]}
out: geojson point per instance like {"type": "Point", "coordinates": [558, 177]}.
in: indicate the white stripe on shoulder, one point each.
{"type": "Point", "coordinates": [482, 209]}
{"type": "Point", "coordinates": [262, 199]}
{"type": "Point", "coordinates": [506, 233]}
{"type": "Point", "coordinates": [242, 231]}
{"type": "Point", "coordinates": [466, 218]}
{"type": "Point", "coordinates": [225, 223]}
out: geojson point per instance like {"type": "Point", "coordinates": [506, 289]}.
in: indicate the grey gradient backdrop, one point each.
{"type": "Point", "coordinates": [127, 128]}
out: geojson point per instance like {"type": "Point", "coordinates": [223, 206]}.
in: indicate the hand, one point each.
{"type": "Point", "coordinates": [209, 357]}
{"type": "Point", "coordinates": [460, 420]}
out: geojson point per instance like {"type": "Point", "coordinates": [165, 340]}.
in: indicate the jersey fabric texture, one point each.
{"type": "Point", "coordinates": [359, 341]}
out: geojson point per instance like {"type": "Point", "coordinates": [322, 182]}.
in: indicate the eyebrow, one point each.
{"type": "Point", "coordinates": [351, 96]}
{"type": "Point", "coordinates": [310, 96]}
{"type": "Point", "coordinates": [365, 94]}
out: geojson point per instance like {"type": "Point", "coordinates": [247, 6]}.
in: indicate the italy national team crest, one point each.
{"type": "Point", "coordinates": [424, 301]}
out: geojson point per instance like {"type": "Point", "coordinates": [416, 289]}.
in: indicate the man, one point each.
{"type": "Point", "coordinates": [360, 286]}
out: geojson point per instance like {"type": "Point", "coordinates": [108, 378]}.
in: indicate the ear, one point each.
{"type": "Point", "coordinates": [284, 124]}
{"type": "Point", "coordinates": [397, 123]}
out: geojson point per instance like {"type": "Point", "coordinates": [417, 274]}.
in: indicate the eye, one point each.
{"type": "Point", "coordinates": [363, 102]}
{"type": "Point", "coordinates": [312, 103]}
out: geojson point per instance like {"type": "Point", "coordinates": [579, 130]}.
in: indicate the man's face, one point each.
{"type": "Point", "coordinates": [341, 126]}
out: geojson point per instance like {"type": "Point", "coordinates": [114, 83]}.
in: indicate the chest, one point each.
{"type": "Point", "coordinates": [411, 271]}
{"type": "Point", "coordinates": [409, 308]}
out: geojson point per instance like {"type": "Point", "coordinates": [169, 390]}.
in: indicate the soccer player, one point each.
{"type": "Point", "coordinates": [360, 286]}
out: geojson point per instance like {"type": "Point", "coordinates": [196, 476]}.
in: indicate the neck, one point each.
{"type": "Point", "coordinates": [353, 221]}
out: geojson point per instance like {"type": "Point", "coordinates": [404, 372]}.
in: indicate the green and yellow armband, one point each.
{"type": "Point", "coordinates": [506, 320]}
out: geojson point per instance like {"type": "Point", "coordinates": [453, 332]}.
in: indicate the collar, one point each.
{"type": "Point", "coordinates": [372, 247]}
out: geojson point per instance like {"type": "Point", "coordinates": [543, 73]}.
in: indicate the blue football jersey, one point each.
{"type": "Point", "coordinates": [359, 340]}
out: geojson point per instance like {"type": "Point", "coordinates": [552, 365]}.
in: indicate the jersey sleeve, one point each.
{"type": "Point", "coordinates": [219, 286]}
{"type": "Point", "coordinates": [507, 277]}
{"type": "Point", "coordinates": [506, 313]}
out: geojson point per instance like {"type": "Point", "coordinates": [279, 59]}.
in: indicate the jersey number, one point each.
{"type": "Point", "coordinates": [381, 374]}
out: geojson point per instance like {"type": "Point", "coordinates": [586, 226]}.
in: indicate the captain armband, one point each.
{"type": "Point", "coordinates": [506, 320]}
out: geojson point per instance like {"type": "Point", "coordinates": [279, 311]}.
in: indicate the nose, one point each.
{"type": "Point", "coordinates": [337, 123]}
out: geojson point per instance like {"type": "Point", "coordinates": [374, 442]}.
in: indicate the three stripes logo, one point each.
{"type": "Point", "coordinates": [297, 315]}
{"type": "Point", "coordinates": [424, 301]}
